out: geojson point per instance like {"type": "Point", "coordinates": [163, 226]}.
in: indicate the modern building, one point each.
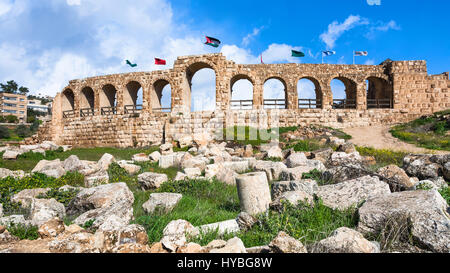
{"type": "Point", "coordinates": [37, 105]}
{"type": "Point", "coordinates": [14, 104]}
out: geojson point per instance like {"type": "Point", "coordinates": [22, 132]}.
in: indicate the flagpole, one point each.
{"type": "Point", "coordinates": [353, 57]}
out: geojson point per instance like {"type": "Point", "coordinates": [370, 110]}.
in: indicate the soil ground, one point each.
{"type": "Point", "coordinates": [378, 137]}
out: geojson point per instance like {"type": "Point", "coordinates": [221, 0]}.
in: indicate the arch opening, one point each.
{"type": "Point", "coordinates": [199, 92]}
{"type": "Point", "coordinates": [379, 93]}
{"type": "Point", "coordinates": [344, 93]}
{"type": "Point", "coordinates": [241, 93]}
{"type": "Point", "coordinates": [309, 93]}
{"type": "Point", "coordinates": [133, 99]}
{"type": "Point", "coordinates": [161, 98]}
{"type": "Point", "coordinates": [108, 100]}
{"type": "Point", "coordinates": [87, 102]}
{"type": "Point", "coordinates": [275, 94]}
{"type": "Point", "coordinates": [68, 103]}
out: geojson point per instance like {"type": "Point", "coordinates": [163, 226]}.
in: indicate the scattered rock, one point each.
{"type": "Point", "coordinates": [163, 201]}
{"type": "Point", "coordinates": [51, 228]}
{"type": "Point", "coordinates": [283, 243]}
{"type": "Point", "coordinates": [398, 176]}
{"type": "Point", "coordinates": [4, 173]}
{"type": "Point", "coordinates": [25, 197]}
{"type": "Point", "coordinates": [43, 210]}
{"type": "Point", "coordinates": [296, 160]}
{"type": "Point", "coordinates": [191, 248]}
{"type": "Point", "coordinates": [174, 234]}
{"type": "Point", "coordinates": [425, 212]}
{"type": "Point", "coordinates": [73, 164]}
{"type": "Point", "coordinates": [345, 240]}
{"type": "Point", "coordinates": [166, 149]}
{"type": "Point", "coordinates": [140, 158]}
{"type": "Point", "coordinates": [130, 168]}
{"type": "Point", "coordinates": [155, 156]}
{"type": "Point", "coordinates": [52, 168]}
{"type": "Point", "coordinates": [245, 221]}
{"type": "Point", "coordinates": [11, 155]}
{"type": "Point", "coordinates": [106, 161]}
{"type": "Point", "coordinates": [293, 198]}
{"type": "Point", "coordinates": [14, 219]}
{"type": "Point", "coordinates": [234, 245]}
{"type": "Point", "coordinates": [307, 185]}
{"type": "Point", "coordinates": [347, 148]}
{"type": "Point", "coordinates": [230, 226]}
{"type": "Point", "coordinates": [149, 181]}
{"type": "Point", "coordinates": [273, 170]}
{"type": "Point", "coordinates": [192, 173]}
{"type": "Point", "coordinates": [351, 193]}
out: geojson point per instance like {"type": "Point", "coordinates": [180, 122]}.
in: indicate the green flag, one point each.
{"type": "Point", "coordinates": [297, 54]}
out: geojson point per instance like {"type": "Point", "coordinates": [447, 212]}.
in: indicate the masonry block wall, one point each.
{"type": "Point", "coordinates": [103, 111]}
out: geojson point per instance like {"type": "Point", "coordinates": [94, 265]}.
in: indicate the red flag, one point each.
{"type": "Point", "coordinates": [262, 59]}
{"type": "Point", "coordinates": [160, 61]}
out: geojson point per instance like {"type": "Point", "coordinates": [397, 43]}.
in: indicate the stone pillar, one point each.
{"type": "Point", "coordinates": [254, 192]}
{"type": "Point", "coordinates": [258, 96]}
{"type": "Point", "coordinates": [120, 89]}
{"type": "Point", "coordinates": [361, 96]}
{"type": "Point", "coordinates": [292, 97]}
{"type": "Point", "coordinates": [97, 104]}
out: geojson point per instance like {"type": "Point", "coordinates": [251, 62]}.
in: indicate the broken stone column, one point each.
{"type": "Point", "coordinates": [254, 193]}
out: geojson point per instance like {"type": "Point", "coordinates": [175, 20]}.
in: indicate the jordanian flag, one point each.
{"type": "Point", "coordinates": [160, 61]}
{"type": "Point", "coordinates": [130, 64]}
{"type": "Point", "coordinates": [328, 53]}
{"type": "Point", "coordinates": [212, 41]}
{"type": "Point", "coordinates": [297, 54]}
{"type": "Point", "coordinates": [361, 53]}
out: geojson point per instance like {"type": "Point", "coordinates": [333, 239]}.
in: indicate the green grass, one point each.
{"type": "Point", "coordinates": [308, 145]}
{"type": "Point", "coordinates": [23, 232]}
{"type": "Point", "coordinates": [309, 224]}
{"type": "Point", "coordinates": [203, 202]}
{"type": "Point", "coordinates": [427, 132]}
{"type": "Point", "coordinates": [28, 161]}
{"type": "Point", "coordinates": [318, 176]}
{"type": "Point", "coordinates": [446, 194]}
{"type": "Point", "coordinates": [383, 157]}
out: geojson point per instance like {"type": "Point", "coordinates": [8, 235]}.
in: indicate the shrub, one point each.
{"type": "Point", "coordinates": [4, 132]}
{"type": "Point", "coordinates": [445, 192]}
{"type": "Point", "coordinates": [24, 232]}
{"type": "Point", "coordinates": [319, 177]}
{"type": "Point", "coordinates": [383, 157]}
{"type": "Point", "coordinates": [307, 146]}
{"type": "Point", "coordinates": [23, 131]}
{"type": "Point", "coordinates": [63, 197]}
{"type": "Point", "coordinates": [11, 119]}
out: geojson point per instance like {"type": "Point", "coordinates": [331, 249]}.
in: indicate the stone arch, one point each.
{"type": "Point", "coordinates": [306, 101]}
{"type": "Point", "coordinates": [350, 91]}
{"type": "Point", "coordinates": [190, 72]}
{"type": "Point", "coordinates": [380, 93]}
{"type": "Point", "coordinates": [275, 103]}
{"type": "Point", "coordinates": [87, 101]}
{"type": "Point", "coordinates": [243, 101]}
{"type": "Point", "coordinates": [68, 102]}
{"type": "Point", "coordinates": [157, 95]}
{"type": "Point", "coordinates": [131, 98]}
{"type": "Point", "coordinates": [108, 99]}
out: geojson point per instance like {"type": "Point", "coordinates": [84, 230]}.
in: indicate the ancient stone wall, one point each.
{"type": "Point", "coordinates": [103, 111]}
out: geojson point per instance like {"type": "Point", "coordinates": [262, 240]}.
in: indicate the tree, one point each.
{"type": "Point", "coordinates": [4, 132]}
{"type": "Point", "coordinates": [23, 131]}
{"type": "Point", "coordinates": [12, 119]}
{"type": "Point", "coordinates": [13, 88]}
{"type": "Point", "coordinates": [9, 87]}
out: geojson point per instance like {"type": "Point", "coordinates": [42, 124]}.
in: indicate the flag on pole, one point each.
{"type": "Point", "coordinates": [297, 54]}
{"type": "Point", "coordinates": [160, 61]}
{"type": "Point", "coordinates": [328, 52]}
{"type": "Point", "coordinates": [361, 53]}
{"type": "Point", "coordinates": [130, 64]}
{"type": "Point", "coordinates": [262, 59]}
{"type": "Point", "coordinates": [212, 42]}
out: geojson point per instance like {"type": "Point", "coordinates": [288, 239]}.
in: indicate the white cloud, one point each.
{"type": "Point", "coordinates": [382, 27]}
{"type": "Point", "coordinates": [370, 62]}
{"type": "Point", "coordinates": [73, 2]}
{"type": "Point", "coordinates": [247, 39]}
{"type": "Point", "coordinates": [280, 53]}
{"type": "Point", "coordinates": [335, 29]}
{"type": "Point", "coordinates": [5, 6]}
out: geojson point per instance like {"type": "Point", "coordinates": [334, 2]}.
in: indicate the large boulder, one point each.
{"type": "Point", "coordinates": [342, 159]}
{"type": "Point", "coordinates": [166, 149]}
{"type": "Point", "coordinates": [14, 219]}
{"type": "Point", "coordinates": [396, 177]}
{"type": "Point", "coordinates": [52, 168]}
{"type": "Point", "coordinates": [296, 174]}
{"type": "Point", "coordinates": [344, 173]}
{"type": "Point", "coordinates": [174, 234]}
{"type": "Point", "coordinates": [296, 160]}
{"type": "Point", "coordinates": [130, 168]}
{"type": "Point", "coordinates": [273, 170]}
{"type": "Point", "coordinates": [25, 197]}
{"type": "Point", "coordinates": [106, 161]}
{"type": "Point", "coordinates": [422, 167]}
{"type": "Point", "coordinates": [155, 156]}
{"type": "Point", "coordinates": [140, 158]}
{"type": "Point", "coordinates": [51, 228]}
{"type": "Point", "coordinates": [345, 240]}
{"type": "Point", "coordinates": [307, 185]}
{"type": "Point", "coordinates": [8, 173]}
{"type": "Point", "coordinates": [234, 245]}
{"type": "Point", "coordinates": [73, 164]}
{"type": "Point", "coordinates": [11, 154]}
{"type": "Point", "coordinates": [43, 210]}
{"type": "Point", "coordinates": [149, 180]}
{"type": "Point", "coordinates": [424, 212]}
{"type": "Point", "coordinates": [351, 193]}
{"type": "Point", "coordinates": [284, 243]}
{"type": "Point", "coordinates": [101, 197]}
{"type": "Point", "coordinates": [293, 198]}
{"type": "Point", "coordinates": [163, 201]}
{"type": "Point", "coordinates": [168, 161]}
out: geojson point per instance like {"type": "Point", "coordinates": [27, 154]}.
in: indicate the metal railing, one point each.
{"type": "Point", "coordinates": [241, 104]}
{"type": "Point", "coordinates": [85, 112]}
{"type": "Point", "coordinates": [164, 109]}
{"type": "Point", "coordinates": [109, 111]}
{"type": "Point", "coordinates": [309, 103]}
{"type": "Point", "coordinates": [133, 109]}
{"type": "Point", "coordinates": [379, 103]}
{"type": "Point", "coordinates": [344, 104]}
{"type": "Point", "coordinates": [69, 114]}
{"type": "Point", "coordinates": [275, 104]}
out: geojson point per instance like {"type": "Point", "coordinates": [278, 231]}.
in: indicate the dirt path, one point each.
{"type": "Point", "coordinates": [379, 137]}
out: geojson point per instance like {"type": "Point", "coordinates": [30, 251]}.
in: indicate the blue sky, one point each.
{"type": "Point", "coordinates": [45, 43]}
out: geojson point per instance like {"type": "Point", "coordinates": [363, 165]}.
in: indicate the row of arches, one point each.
{"type": "Point", "coordinates": [198, 93]}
